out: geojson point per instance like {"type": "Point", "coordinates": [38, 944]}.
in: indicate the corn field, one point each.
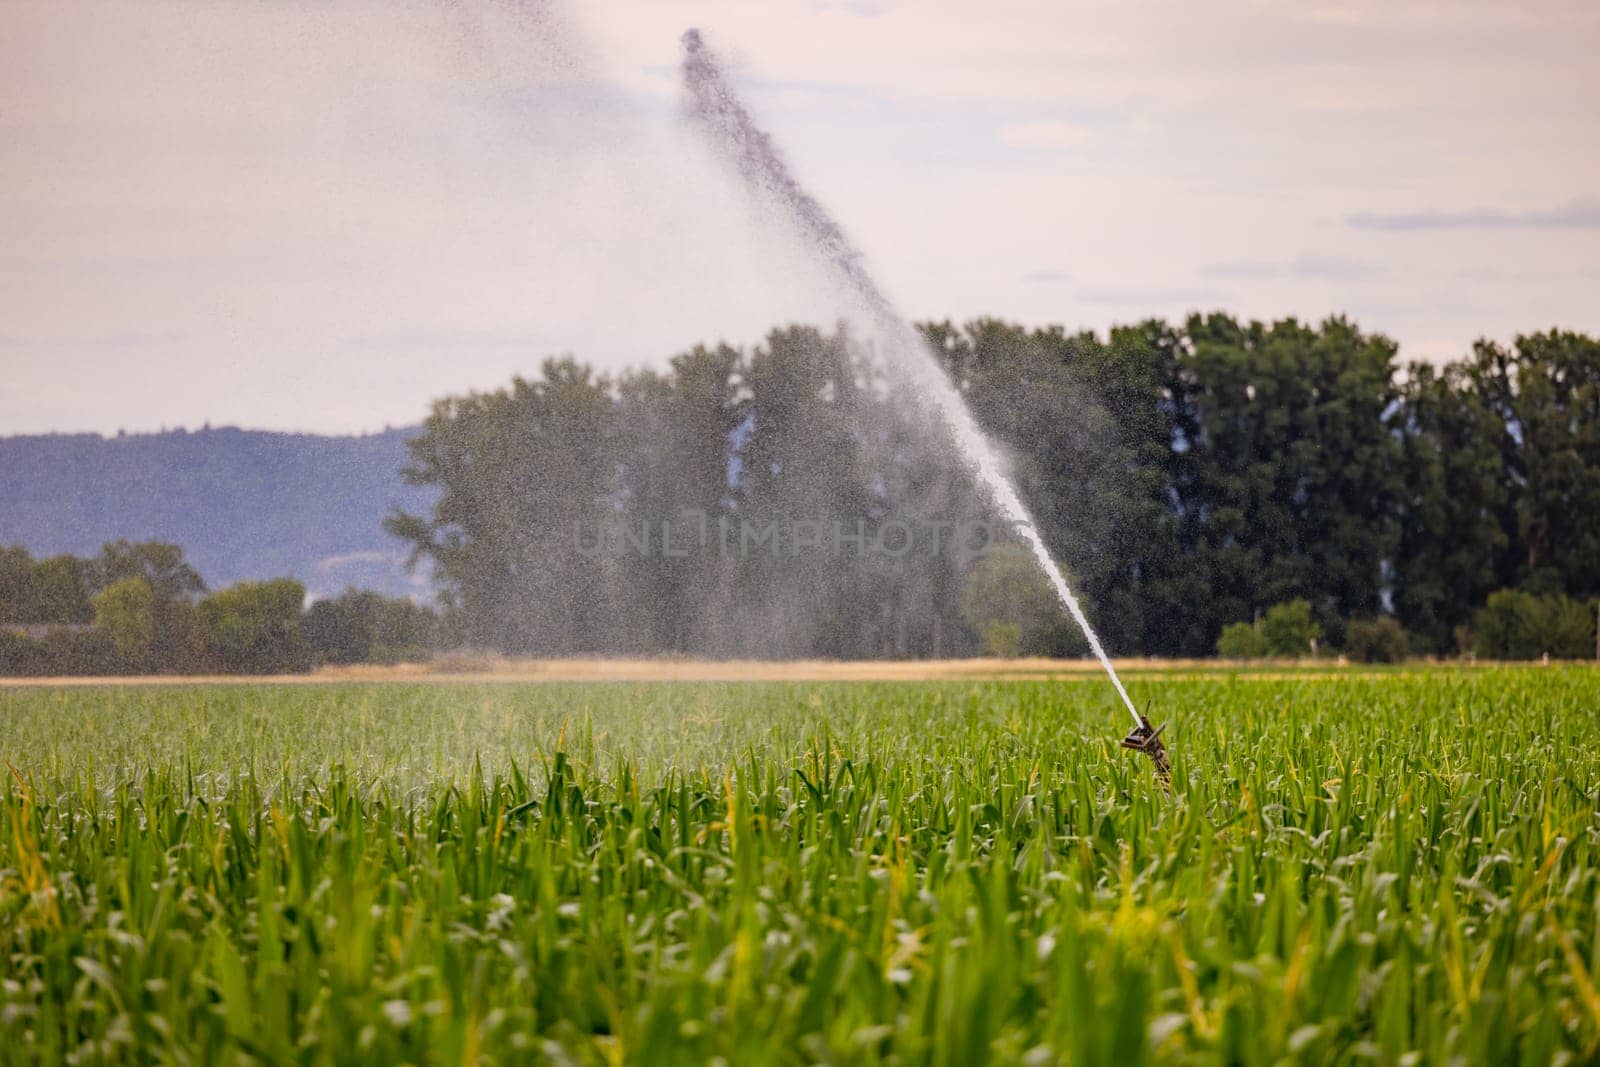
{"type": "Point", "coordinates": [1386, 867]}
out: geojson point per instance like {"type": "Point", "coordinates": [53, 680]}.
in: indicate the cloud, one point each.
{"type": "Point", "coordinates": [78, 341]}
{"type": "Point", "coordinates": [1151, 296]}
{"type": "Point", "coordinates": [869, 9]}
{"type": "Point", "coordinates": [1047, 133]}
{"type": "Point", "coordinates": [1244, 268]}
{"type": "Point", "coordinates": [1331, 267]}
{"type": "Point", "coordinates": [1498, 276]}
{"type": "Point", "coordinates": [1580, 214]}
{"type": "Point", "coordinates": [444, 339]}
{"type": "Point", "coordinates": [1308, 266]}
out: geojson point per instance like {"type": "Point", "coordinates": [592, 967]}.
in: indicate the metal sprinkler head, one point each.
{"type": "Point", "coordinates": [1147, 739]}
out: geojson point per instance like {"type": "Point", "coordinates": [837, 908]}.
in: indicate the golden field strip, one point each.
{"type": "Point", "coordinates": [495, 669]}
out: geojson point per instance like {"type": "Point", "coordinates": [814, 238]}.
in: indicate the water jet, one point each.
{"type": "Point", "coordinates": [716, 108]}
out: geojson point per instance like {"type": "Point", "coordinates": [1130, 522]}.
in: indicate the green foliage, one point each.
{"type": "Point", "coordinates": [735, 453]}
{"type": "Point", "coordinates": [145, 620]}
{"type": "Point", "coordinates": [1456, 534]}
{"type": "Point", "coordinates": [254, 627]}
{"type": "Point", "coordinates": [61, 590]}
{"type": "Point", "coordinates": [75, 652]}
{"type": "Point", "coordinates": [146, 623]}
{"type": "Point", "coordinates": [1352, 869]}
{"type": "Point", "coordinates": [1077, 418]}
{"type": "Point", "coordinates": [1189, 473]}
{"type": "Point", "coordinates": [16, 567]}
{"type": "Point", "coordinates": [1380, 640]}
{"type": "Point", "coordinates": [360, 626]}
{"type": "Point", "coordinates": [521, 470]}
{"type": "Point", "coordinates": [54, 590]}
{"type": "Point", "coordinates": [175, 645]}
{"type": "Point", "coordinates": [1287, 629]}
{"type": "Point", "coordinates": [1517, 625]}
{"type": "Point", "coordinates": [1003, 639]}
{"type": "Point", "coordinates": [16, 653]}
{"type": "Point", "coordinates": [59, 652]}
{"type": "Point", "coordinates": [1007, 588]}
{"type": "Point", "coordinates": [126, 611]}
{"type": "Point", "coordinates": [159, 564]}
{"type": "Point", "coordinates": [1241, 640]}
{"type": "Point", "coordinates": [1548, 387]}
{"type": "Point", "coordinates": [1287, 428]}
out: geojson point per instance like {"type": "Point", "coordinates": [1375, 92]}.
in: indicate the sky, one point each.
{"type": "Point", "coordinates": [321, 215]}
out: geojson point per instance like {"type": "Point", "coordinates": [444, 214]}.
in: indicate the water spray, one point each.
{"type": "Point", "coordinates": [716, 108]}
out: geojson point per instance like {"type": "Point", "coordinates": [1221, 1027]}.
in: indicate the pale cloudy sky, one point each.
{"type": "Point", "coordinates": [319, 214]}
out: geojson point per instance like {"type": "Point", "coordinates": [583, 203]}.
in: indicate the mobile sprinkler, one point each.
{"type": "Point", "coordinates": [1147, 739]}
{"type": "Point", "coordinates": [714, 105]}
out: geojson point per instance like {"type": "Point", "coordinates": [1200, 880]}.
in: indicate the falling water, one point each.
{"type": "Point", "coordinates": [715, 106]}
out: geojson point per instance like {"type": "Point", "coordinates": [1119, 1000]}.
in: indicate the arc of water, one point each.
{"type": "Point", "coordinates": [717, 108]}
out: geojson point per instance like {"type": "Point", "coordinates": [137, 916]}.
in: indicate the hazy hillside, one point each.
{"type": "Point", "coordinates": [241, 503]}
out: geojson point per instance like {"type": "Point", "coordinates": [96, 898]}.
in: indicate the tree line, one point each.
{"type": "Point", "coordinates": [139, 608]}
{"type": "Point", "coordinates": [1248, 488]}
{"type": "Point", "coordinates": [1191, 477]}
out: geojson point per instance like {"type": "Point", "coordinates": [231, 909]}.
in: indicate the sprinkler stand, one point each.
{"type": "Point", "coordinates": [1147, 739]}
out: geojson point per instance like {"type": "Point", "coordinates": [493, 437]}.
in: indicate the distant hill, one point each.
{"type": "Point", "coordinates": [241, 503]}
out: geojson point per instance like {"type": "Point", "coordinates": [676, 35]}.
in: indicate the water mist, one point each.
{"type": "Point", "coordinates": [717, 109]}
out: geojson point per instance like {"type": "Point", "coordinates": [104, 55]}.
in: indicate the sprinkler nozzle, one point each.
{"type": "Point", "coordinates": [1147, 739]}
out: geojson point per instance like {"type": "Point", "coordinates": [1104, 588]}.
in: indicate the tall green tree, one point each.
{"type": "Point", "coordinates": [1147, 596]}
{"type": "Point", "coordinates": [523, 473]}
{"type": "Point", "coordinates": [175, 644]}
{"type": "Point", "coordinates": [160, 564]}
{"type": "Point", "coordinates": [361, 626]}
{"type": "Point", "coordinates": [1190, 475]}
{"type": "Point", "coordinates": [1296, 474]}
{"type": "Point", "coordinates": [16, 571]}
{"type": "Point", "coordinates": [802, 466]}
{"type": "Point", "coordinates": [55, 590]}
{"type": "Point", "coordinates": [126, 611]}
{"type": "Point", "coordinates": [1453, 536]}
{"type": "Point", "coordinates": [1548, 389]}
{"type": "Point", "coordinates": [254, 627]}
{"type": "Point", "coordinates": [1053, 402]}
{"type": "Point", "coordinates": [676, 442]}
